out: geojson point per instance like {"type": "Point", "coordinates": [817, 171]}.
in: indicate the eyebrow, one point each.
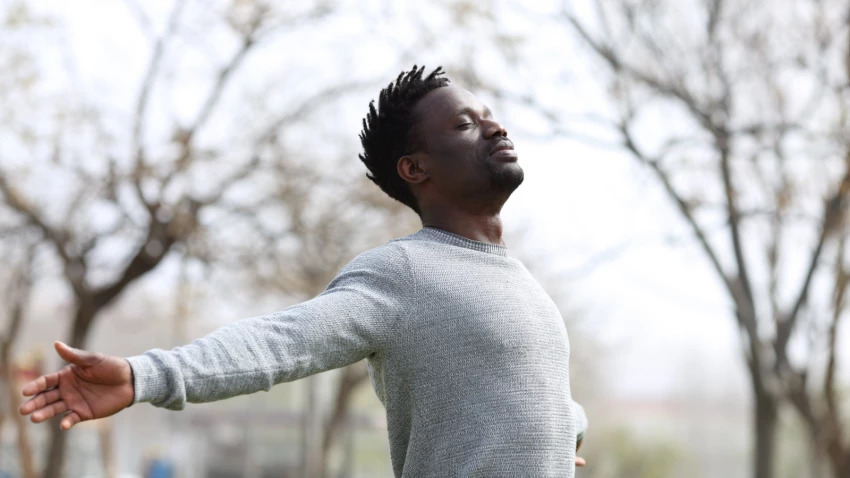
{"type": "Point", "coordinates": [468, 110]}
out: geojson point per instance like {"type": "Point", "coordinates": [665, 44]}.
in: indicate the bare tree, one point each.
{"type": "Point", "coordinates": [115, 214]}
{"type": "Point", "coordinates": [749, 109]}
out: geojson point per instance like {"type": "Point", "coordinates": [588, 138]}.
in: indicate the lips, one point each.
{"type": "Point", "coordinates": [503, 145]}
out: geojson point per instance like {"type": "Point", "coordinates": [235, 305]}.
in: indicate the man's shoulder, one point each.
{"type": "Point", "coordinates": [391, 256]}
{"type": "Point", "coordinates": [385, 267]}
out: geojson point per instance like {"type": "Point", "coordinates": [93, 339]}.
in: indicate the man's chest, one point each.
{"type": "Point", "coordinates": [486, 318]}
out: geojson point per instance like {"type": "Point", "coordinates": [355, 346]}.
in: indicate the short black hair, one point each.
{"type": "Point", "coordinates": [387, 130]}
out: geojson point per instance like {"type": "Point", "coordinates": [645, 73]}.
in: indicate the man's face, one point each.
{"type": "Point", "coordinates": [464, 150]}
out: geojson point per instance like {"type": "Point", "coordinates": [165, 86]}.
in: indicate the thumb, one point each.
{"type": "Point", "coordinates": [75, 356]}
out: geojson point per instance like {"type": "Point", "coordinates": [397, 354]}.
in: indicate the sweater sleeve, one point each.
{"type": "Point", "coordinates": [349, 321]}
{"type": "Point", "coordinates": [580, 420]}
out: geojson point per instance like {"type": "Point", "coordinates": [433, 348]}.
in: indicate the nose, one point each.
{"type": "Point", "coordinates": [494, 128]}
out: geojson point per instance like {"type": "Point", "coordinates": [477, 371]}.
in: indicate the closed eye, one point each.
{"type": "Point", "coordinates": [463, 126]}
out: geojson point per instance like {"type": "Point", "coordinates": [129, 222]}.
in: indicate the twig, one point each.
{"type": "Point", "coordinates": [142, 100]}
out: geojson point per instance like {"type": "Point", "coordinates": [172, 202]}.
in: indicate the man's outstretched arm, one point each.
{"type": "Point", "coordinates": [349, 321]}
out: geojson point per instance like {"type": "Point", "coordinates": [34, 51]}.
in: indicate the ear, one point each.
{"type": "Point", "coordinates": [411, 168]}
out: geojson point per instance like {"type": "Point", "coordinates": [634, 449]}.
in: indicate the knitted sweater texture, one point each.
{"type": "Point", "coordinates": [467, 352]}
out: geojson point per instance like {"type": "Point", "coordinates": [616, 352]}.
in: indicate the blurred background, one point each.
{"type": "Point", "coordinates": [167, 167]}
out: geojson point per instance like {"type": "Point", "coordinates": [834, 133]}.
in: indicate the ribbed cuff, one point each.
{"type": "Point", "coordinates": [149, 382]}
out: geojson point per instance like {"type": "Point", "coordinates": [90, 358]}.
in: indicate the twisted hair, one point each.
{"type": "Point", "coordinates": [388, 130]}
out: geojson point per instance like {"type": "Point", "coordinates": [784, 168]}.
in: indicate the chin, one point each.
{"type": "Point", "coordinates": [508, 179]}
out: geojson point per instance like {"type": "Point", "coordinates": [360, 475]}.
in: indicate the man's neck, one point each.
{"type": "Point", "coordinates": [481, 228]}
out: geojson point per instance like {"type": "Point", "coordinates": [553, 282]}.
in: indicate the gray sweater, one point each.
{"type": "Point", "coordinates": [467, 352]}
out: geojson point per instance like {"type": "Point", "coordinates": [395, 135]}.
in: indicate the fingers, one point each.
{"type": "Point", "coordinates": [70, 420]}
{"type": "Point", "coordinates": [50, 411]}
{"type": "Point", "coordinates": [76, 356]}
{"type": "Point", "coordinates": [39, 401]}
{"type": "Point", "coordinates": [580, 461]}
{"type": "Point", "coordinates": [41, 384]}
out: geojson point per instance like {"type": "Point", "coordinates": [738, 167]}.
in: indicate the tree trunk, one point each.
{"type": "Point", "coordinates": [311, 430]}
{"type": "Point", "coordinates": [24, 445]}
{"type": "Point", "coordinates": [350, 378]}
{"type": "Point", "coordinates": [766, 417]}
{"type": "Point", "coordinates": [2, 419]}
{"type": "Point", "coordinates": [839, 457]}
{"type": "Point", "coordinates": [107, 453]}
{"type": "Point", "coordinates": [56, 451]}
{"type": "Point", "coordinates": [58, 437]}
{"type": "Point", "coordinates": [826, 438]}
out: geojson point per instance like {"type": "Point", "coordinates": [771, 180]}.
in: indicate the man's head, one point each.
{"type": "Point", "coordinates": [428, 143]}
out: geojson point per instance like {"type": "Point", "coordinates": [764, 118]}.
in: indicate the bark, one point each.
{"type": "Point", "coordinates": [2, 420]}
{"type": "Point", "coordinates": [18, 296]}
{"type": "Point", "coordinates": [766, 420]}
{"type": "Point", "coordinates": [58, 437]}
{"type": "Point", "coordinates": [311, 429]}
{"type": "Point", "coordinates": [836, 452]}
{"type": "Point", "coordinates": [24, 443]}
{"type": "Point", "coordinates": [107, 453]}
{"type": "Point", "coordinates": [351, 377]}
{"type": "Point", "coordinates": [839, 460]}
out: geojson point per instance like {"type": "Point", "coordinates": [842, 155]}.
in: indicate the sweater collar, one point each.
{"type": "Point", "coordinates": [439, 235]}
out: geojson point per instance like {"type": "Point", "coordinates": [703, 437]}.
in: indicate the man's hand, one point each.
{"type": "Point", "coordinates": [92, 386]}
{"type": "Point", "coordinates": [579, 460]}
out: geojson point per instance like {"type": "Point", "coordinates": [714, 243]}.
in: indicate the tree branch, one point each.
{"type": "Point", "coordinates": [833, 208]}
{"type": "Point", "coordinates": [141, 17]}
{"type": "Point", "coordinates": [685, 208]}
{"type": "Point", "coordinates": [151, 252]}
{"type": "Point", "coordinates": [222, 79]}
{"type": "Point", "coordinates": [17, 296]}
{"type": "Point", "coordinates": [676, 92]}
{"type": "Point", "coordinates": [735, 228]}
{"type": "Point", "coordinates": [57, 238]}
{"type": "Point", "coordinates": [722, 143]}
{"type": "Point", "coordinates": [310, 103]}
{"type": "Point", "coordinates": [142, 100]}
{"type": "Point", "coordinates": [184, 137]}
{"type": "Point", "coordinates": [74, 266]}
{"type": "Point", "coordinates": [842, 279]}
{"type": "Point", "coordinates": [225, 185]}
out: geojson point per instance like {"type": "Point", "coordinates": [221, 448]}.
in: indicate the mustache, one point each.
{"type": "Point", "coordinates": [503, 143]}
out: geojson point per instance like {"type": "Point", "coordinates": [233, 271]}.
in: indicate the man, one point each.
{"type": "Point", "coordinates": [466, 351]}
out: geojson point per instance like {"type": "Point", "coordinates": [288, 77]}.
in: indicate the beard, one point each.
{"type": "Point", "coordinates": [505, 177]}
{"type": "Point", "coordinates": [489, 185]}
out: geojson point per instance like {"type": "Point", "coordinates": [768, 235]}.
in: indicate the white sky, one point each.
{"type": "Point", "coordinates": [658, 305]}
